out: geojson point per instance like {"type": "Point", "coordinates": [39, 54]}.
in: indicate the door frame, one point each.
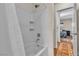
{"type": "Point", "coordinates": [75, 31]}
{"type": "Point", "coordinates": [58, 28]}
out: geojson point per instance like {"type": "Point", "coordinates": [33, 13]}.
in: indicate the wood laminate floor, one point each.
{"type": "Point", "coordinates": [65, 48]}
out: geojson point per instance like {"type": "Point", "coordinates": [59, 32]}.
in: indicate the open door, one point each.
{"type": "Point", "coordinates": [66, 31]}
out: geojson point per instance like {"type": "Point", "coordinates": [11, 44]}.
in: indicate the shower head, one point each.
{"type": "Point", "coordinates": [36, 6]}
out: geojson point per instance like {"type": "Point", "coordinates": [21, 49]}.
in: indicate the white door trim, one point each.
{"type": "Point", "coordinates": [75, 31]}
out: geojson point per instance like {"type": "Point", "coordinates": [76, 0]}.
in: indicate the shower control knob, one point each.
{"type": "Point", "coordinates": [38, 34]}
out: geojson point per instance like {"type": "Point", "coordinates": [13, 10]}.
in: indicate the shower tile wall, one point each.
{"type": "Point", "coordinates": [31, 31]}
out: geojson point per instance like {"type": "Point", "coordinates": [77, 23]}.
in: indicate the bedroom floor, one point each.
{"type": "Point", "coordinates": [65, 48]}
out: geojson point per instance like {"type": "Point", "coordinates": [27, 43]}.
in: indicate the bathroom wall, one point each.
{"type": "Point", "coordinates": [5, 46]}
{"type": "Point", "coordinates": [30, 24]}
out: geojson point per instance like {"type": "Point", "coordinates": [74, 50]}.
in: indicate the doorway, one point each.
{"type": "Point", "coordinates": [66, 31]}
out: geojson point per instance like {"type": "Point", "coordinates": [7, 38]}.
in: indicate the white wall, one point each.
{"type": "Point", "coordinates": [60, 6]}
{"type": "Point", "coordinates": [67, 24]}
